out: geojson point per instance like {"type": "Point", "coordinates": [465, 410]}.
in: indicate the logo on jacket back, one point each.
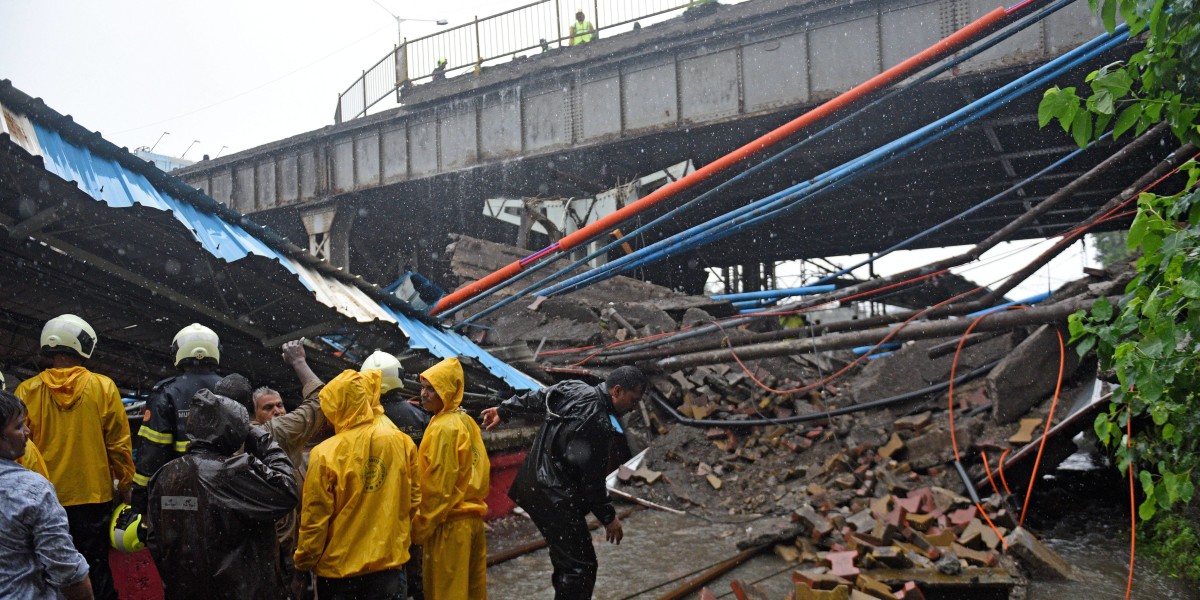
{"type": "Point", "coordinates": [374, 474]}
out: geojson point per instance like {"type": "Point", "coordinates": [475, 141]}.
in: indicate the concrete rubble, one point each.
{"type": "Point", "coordinates": [875, 506]}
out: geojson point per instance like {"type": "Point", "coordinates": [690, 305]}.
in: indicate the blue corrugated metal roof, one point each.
{"type": "Point", "coordinates": [104, 178]}
{"type": "Point", "coordinates": [447, 344]}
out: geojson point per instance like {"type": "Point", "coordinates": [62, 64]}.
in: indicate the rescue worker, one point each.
{"type": "Point", "coordinates": [211, 516]}
{"type": "Point", "coordinates": [359, 497]}
{"type": "Point", "coordinates": [410, 419]}
{"type": "Point", "coordinates": [197, 352]}
{"type": "Point", "coordinates": [439, 71]}
{"type": "Point", "coordinates": [562, 478]}
{"type": "Point", "coordinates": [582, 30]}
{"type": "Point", "coordinates": [37, 559]}
{"type": "Point", "coordinates": [291, 430]}
{"type": "Point", "coordinates": [455, 475]}
{"type": "Point", "coordinates": [78, 422]}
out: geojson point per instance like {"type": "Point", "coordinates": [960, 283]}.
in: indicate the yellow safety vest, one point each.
{"type": "Point", "coordinates": [581, 32]}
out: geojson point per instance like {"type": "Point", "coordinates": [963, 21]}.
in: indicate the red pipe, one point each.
{"type": "Point", "coordinates": [956, 41]}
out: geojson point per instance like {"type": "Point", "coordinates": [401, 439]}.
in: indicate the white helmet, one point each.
{"type": "Point", "coordinates": [196, 342]}
{"type": "Point", "coordinates": [388, 365]}
{"type": "Point", "coordinates": [69, 334]}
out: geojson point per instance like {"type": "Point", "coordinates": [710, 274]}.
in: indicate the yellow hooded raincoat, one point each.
{"type": "Point", "coordinates": [78, 422]}
{"type": "Point", "coordinates": [361, 491]}
{"type": "Point", "coordinates": [455, 475]}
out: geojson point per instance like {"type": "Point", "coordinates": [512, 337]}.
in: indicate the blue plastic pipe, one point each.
{"type": "Point", "coordinates": [775, 294]}
{"type": "Point", "coordinates": [550, 259]}
{"type": "Point", "coordinates": [775, 204]}
{"type": "Point", "coordinates": [1000, 307]}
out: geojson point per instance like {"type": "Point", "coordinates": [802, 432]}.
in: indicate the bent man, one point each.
{"type": "Point", "coordinates": [562, 478]}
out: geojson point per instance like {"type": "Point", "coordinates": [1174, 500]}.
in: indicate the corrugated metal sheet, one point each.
{"type": "Point", "coordinates": [446, 344]}
{"type": "Point", "coordinates": [105, 179]}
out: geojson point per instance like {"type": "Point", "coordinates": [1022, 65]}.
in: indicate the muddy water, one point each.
{"type": "Point", "coordinates": [660, 549]}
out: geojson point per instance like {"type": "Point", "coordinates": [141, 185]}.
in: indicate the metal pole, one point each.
{"type": "Point", "coordinates": [478, 50]}
{"type": "Point", "coordinates": [558, 22]}
{"type": "Point", "coordinates": [364, 89]}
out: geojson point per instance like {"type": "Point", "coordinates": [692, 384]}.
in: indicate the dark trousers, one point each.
{"type": "Point", "coordinates": [381, 585]}
{"type": "Point", "coordinates": [88, 524]}
{"type": "Point", "coordinates": [413, 572]}
{"type": "Point", "coordinates": [571, 551]}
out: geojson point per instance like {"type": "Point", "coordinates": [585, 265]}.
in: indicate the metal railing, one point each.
{"type": "Point", "coordinates": [529, 29]}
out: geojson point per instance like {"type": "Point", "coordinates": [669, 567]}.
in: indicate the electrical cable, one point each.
{"type": "Point", "coordinates": [1062, 361]}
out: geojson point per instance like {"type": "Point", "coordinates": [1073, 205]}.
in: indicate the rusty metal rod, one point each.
{"type": "Point", "coordinates": [715, 572]}
{"type": "Point", "coordinates": [1171, 162]}
{"type": "Point", "coordinates": [914, 331]}
{"type": "Point", "coordinates": [639, 352]}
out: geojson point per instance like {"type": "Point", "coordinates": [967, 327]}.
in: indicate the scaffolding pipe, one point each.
{"type": "Point", "coordinates": [915, 331]}
{"type": "Point", "coordinates": [546, 260]}
{"type": "Point", "coordinates": [788, 199]}
{"type": "Point", "coordinates": [953, 43]}
{"type": "Point", "coordinates": [775, 294]}
{"type": "Point", "coordinates": [1138, 144]}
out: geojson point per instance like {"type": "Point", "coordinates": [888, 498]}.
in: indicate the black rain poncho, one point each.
{"type": "Point", "coordinates": [212, 515]}
{"type": "Point", "coordinates": [566, 466]}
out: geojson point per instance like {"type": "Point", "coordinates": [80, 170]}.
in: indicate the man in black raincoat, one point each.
{"type": "Point", "coordinates": [212, 514]}
{"type": "Point", "coordinates": [562, 478]}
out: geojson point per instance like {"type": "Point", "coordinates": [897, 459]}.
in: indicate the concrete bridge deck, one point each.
{"type": "Point", "coordinates": [575, 121]}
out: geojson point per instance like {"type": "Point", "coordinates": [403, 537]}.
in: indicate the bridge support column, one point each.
{"type": "Point", "coordinates": [329, 234]}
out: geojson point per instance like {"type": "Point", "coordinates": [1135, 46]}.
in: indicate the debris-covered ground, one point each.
{"type": "Point", "coordinates": [867, 503]}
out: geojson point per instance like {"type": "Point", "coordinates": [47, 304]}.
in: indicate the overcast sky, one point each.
{"type": "Point", "coordinates": [237, 74]}
{"type": "Point", "coordinates": [224, 72]}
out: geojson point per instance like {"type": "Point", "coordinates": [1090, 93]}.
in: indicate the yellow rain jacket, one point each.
{"type": "Point", "coordinates": [33, 460]}
{"type": "Point", "coordinates": [361, 492]}
{"type": "Point", "coordinates": [455, 475]}
{"type": "Point", "coordinates": [78, 422]}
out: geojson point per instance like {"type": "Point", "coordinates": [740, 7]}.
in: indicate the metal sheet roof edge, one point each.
{"type": "Point", "coordinates": [65, 125]}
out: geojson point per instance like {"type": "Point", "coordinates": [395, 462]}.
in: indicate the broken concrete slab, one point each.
{"type": "Point", "coordinates": [1040, 560]}
{"type": "Point", "coordinates": [1025, 377]}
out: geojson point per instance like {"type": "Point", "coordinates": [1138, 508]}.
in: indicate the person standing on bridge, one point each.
{"type": "Point", "coordinates": [582, 30]}
{"type": "Point", "coordinates": [562, 478]}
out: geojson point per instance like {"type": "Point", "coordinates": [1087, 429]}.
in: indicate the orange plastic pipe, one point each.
{"type": "Point", "coordinates": [948, 45]}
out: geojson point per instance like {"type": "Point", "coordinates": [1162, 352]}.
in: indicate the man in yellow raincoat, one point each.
{"type": "Point", "coordinates": [359, 498]}
{"type": "Point", "coordinates": [78, 422]}
{"type": "Point", "coordinates": [455, 475]}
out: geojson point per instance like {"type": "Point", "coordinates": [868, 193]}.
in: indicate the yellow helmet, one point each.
{"type": "Point", "coordinates": [196, 342]}
{"type": "Point", "coordinates": [389, 366]}
{"type": "Point", "coordinates": [123, 529]}
{"type": "Point", "coordinates": [69, 334]}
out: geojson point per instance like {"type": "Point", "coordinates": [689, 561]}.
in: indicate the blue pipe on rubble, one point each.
{"type": "Point", "coordinates": [778, 203]}
{"type": "Point", "coordinates": [548, 260]}
{"type": "Point", "coordinates": [774, 294]}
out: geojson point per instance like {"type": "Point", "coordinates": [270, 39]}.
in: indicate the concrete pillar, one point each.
{"type": "Point", "coordinates": [328, 230]}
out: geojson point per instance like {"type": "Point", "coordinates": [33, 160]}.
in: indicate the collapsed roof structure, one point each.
{"type": "Point", "coordinates": [94, 231]}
